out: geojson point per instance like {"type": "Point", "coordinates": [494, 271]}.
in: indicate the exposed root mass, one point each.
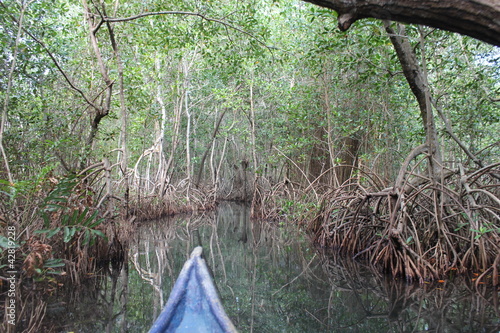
{"type": "Point", "coordinates": [420, 229]}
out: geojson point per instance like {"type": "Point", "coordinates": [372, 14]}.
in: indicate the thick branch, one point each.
{"type": "Point", "coordinates": [416, 76]}
{"type": "Point", "coordinates": [476, 18]}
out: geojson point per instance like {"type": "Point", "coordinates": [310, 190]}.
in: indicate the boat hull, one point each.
{"type": "Point", "coordinates": [194, 304]}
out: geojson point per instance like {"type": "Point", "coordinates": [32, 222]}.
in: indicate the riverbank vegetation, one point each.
{"type": "Point", "coordinates": [382, 141]}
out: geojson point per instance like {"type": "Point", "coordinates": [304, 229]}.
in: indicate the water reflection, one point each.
{"type": "Point", "coordinates": [270, 280]}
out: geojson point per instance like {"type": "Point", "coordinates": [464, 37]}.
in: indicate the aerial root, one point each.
{"type": "Point", "coordinates": [422, 230]}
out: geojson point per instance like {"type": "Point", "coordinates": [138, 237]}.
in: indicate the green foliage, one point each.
{"type": "Point", "coordinates": [6, 243]}
{"type": "Point", "coordinates": [50, 267]}
{"type": "Point", "coordinates": [311, 88]}
{"type": "Point", "coordinates": [485, 229]}
{"type": "Point", "coordinates": [60, 213]}
{"type": "Point", "coordinates": [297, 211]}
{"type": "Point", "coordinates": [368, 98]}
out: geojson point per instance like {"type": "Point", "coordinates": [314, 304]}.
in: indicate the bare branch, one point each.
{"type": "Point", "coordinates": [54, 60]}
{"type": "Point", "coordinates": [174, 12]}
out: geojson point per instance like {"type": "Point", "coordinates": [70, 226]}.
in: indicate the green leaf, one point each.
{"type": "Point", "coordinates": [98, 233]}
{"type": "Point", "coordinates": [53, 207]}
{"type": "Point", "coordinates": [52, 263]}
{"type": "Point", "coordinates": [86, 237]}
{"type": "Point", "coordinates": [53, 232]}
{"type": "Point", "coordinates": [88, 221]}
{"type": "Point", "coordinates": [69, 232]}
{"type": "Point", "coordinates": [96, 223]}
{"type": "Point", "coordinates": [73, 231]}
{"type": "Point", "coordinates": [46, 220]}
{"type": "Point", "coordinates": [82, 216]}
{"type": "Point", "coordinates": [56, 199]}
{"type": "Point", "coordinates": [65, 233]}
{"type": "Point", "coordinates": [5, 243]}
{"type": "Point", "coordinates": [7, 194]}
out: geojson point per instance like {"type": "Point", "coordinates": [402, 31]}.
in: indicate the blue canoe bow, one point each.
{"type": "Point", "coordinates": [193, 305]}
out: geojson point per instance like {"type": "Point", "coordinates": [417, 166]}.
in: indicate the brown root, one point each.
{"type": "Point", "coordinates": [419, 229]}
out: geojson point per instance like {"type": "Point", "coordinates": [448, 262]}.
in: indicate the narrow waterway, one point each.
{"type": "Point", "coordinates": [270, 279]}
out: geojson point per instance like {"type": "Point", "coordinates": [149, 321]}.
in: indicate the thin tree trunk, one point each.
{"type": "Point", "coordinates": [212, 166]}
{"type": "Point", "coordinates": [209, 146]}
{"type": "Point", "coordinates": [178, 104]}
{"type": "Point", "coordinates": [104, 110]}
{"type": "Point", "coordinates": [161, 133]}
{"type": "Point", "coordinates": [219, 167]}
{"type": "Point", "coordinates": [9, 87]}
{"type": "Point", "coordinates": [186, 85]}
{"type": "Point", "coordinates": [123, 106]}
{"type": "Point", "coordinates": [188, 133]}
{"type": "Point", "coordinates": [122, 152]}
{"type": "Point", "coordinates": [333, 179]}
{"type": "Point", "coordinates": [254, 151]}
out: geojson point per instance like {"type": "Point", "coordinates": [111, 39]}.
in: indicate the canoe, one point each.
{"type": "Point", "coordinates": [194, 304]}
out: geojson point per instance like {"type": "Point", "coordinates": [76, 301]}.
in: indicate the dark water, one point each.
{"type": "Point", "coordinates": [270, 280]}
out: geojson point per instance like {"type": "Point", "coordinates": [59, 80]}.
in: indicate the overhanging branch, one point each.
{"type": "Point", "coordinates": [476, 18]}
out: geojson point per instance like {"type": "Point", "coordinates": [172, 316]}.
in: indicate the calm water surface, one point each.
{"type": "Point", "coordinates": [270, 279]}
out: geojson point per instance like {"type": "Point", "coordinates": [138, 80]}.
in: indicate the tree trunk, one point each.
{"type": "Point", "coordinates": [122, 153]}
{"type": "Point", "coordinates": [333, 179]}
{"type": "Point", "coordinates": [416, 76]}
{"type": "Point", "coordinates": [178, 105]}
{"type": "Point", "coordinates": [255, 198]}
{"type": "Point", "coordinates": [186, 69]}
{"type": "Point", "coordinates": [319, 157]}
{"type": "Point", "coordinates": [3, 120]}
{"type": "Point", "coordinates": [208, 149]}
{"type": "Point", "coordinates": [161, 133]}
{"type": "Point", "coordinates": [348, 157]}
{"type": "Point", "coordinates": [475, 18]}
{"type": "Point", "coordinates": [103, 111]}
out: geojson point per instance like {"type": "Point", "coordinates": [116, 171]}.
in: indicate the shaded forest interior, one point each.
{"type": "Point", "coordinates": [381, 141]}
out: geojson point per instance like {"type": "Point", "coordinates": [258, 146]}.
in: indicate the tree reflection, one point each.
{"type": "Point", "coordinates": [270, 280]}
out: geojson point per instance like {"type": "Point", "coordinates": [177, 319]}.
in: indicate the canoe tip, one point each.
{"type": "Point", "coordinates": [197, 252]}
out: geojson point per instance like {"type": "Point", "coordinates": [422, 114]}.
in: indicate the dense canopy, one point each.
{"type": "Point", "coordinates": [382, 140]}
